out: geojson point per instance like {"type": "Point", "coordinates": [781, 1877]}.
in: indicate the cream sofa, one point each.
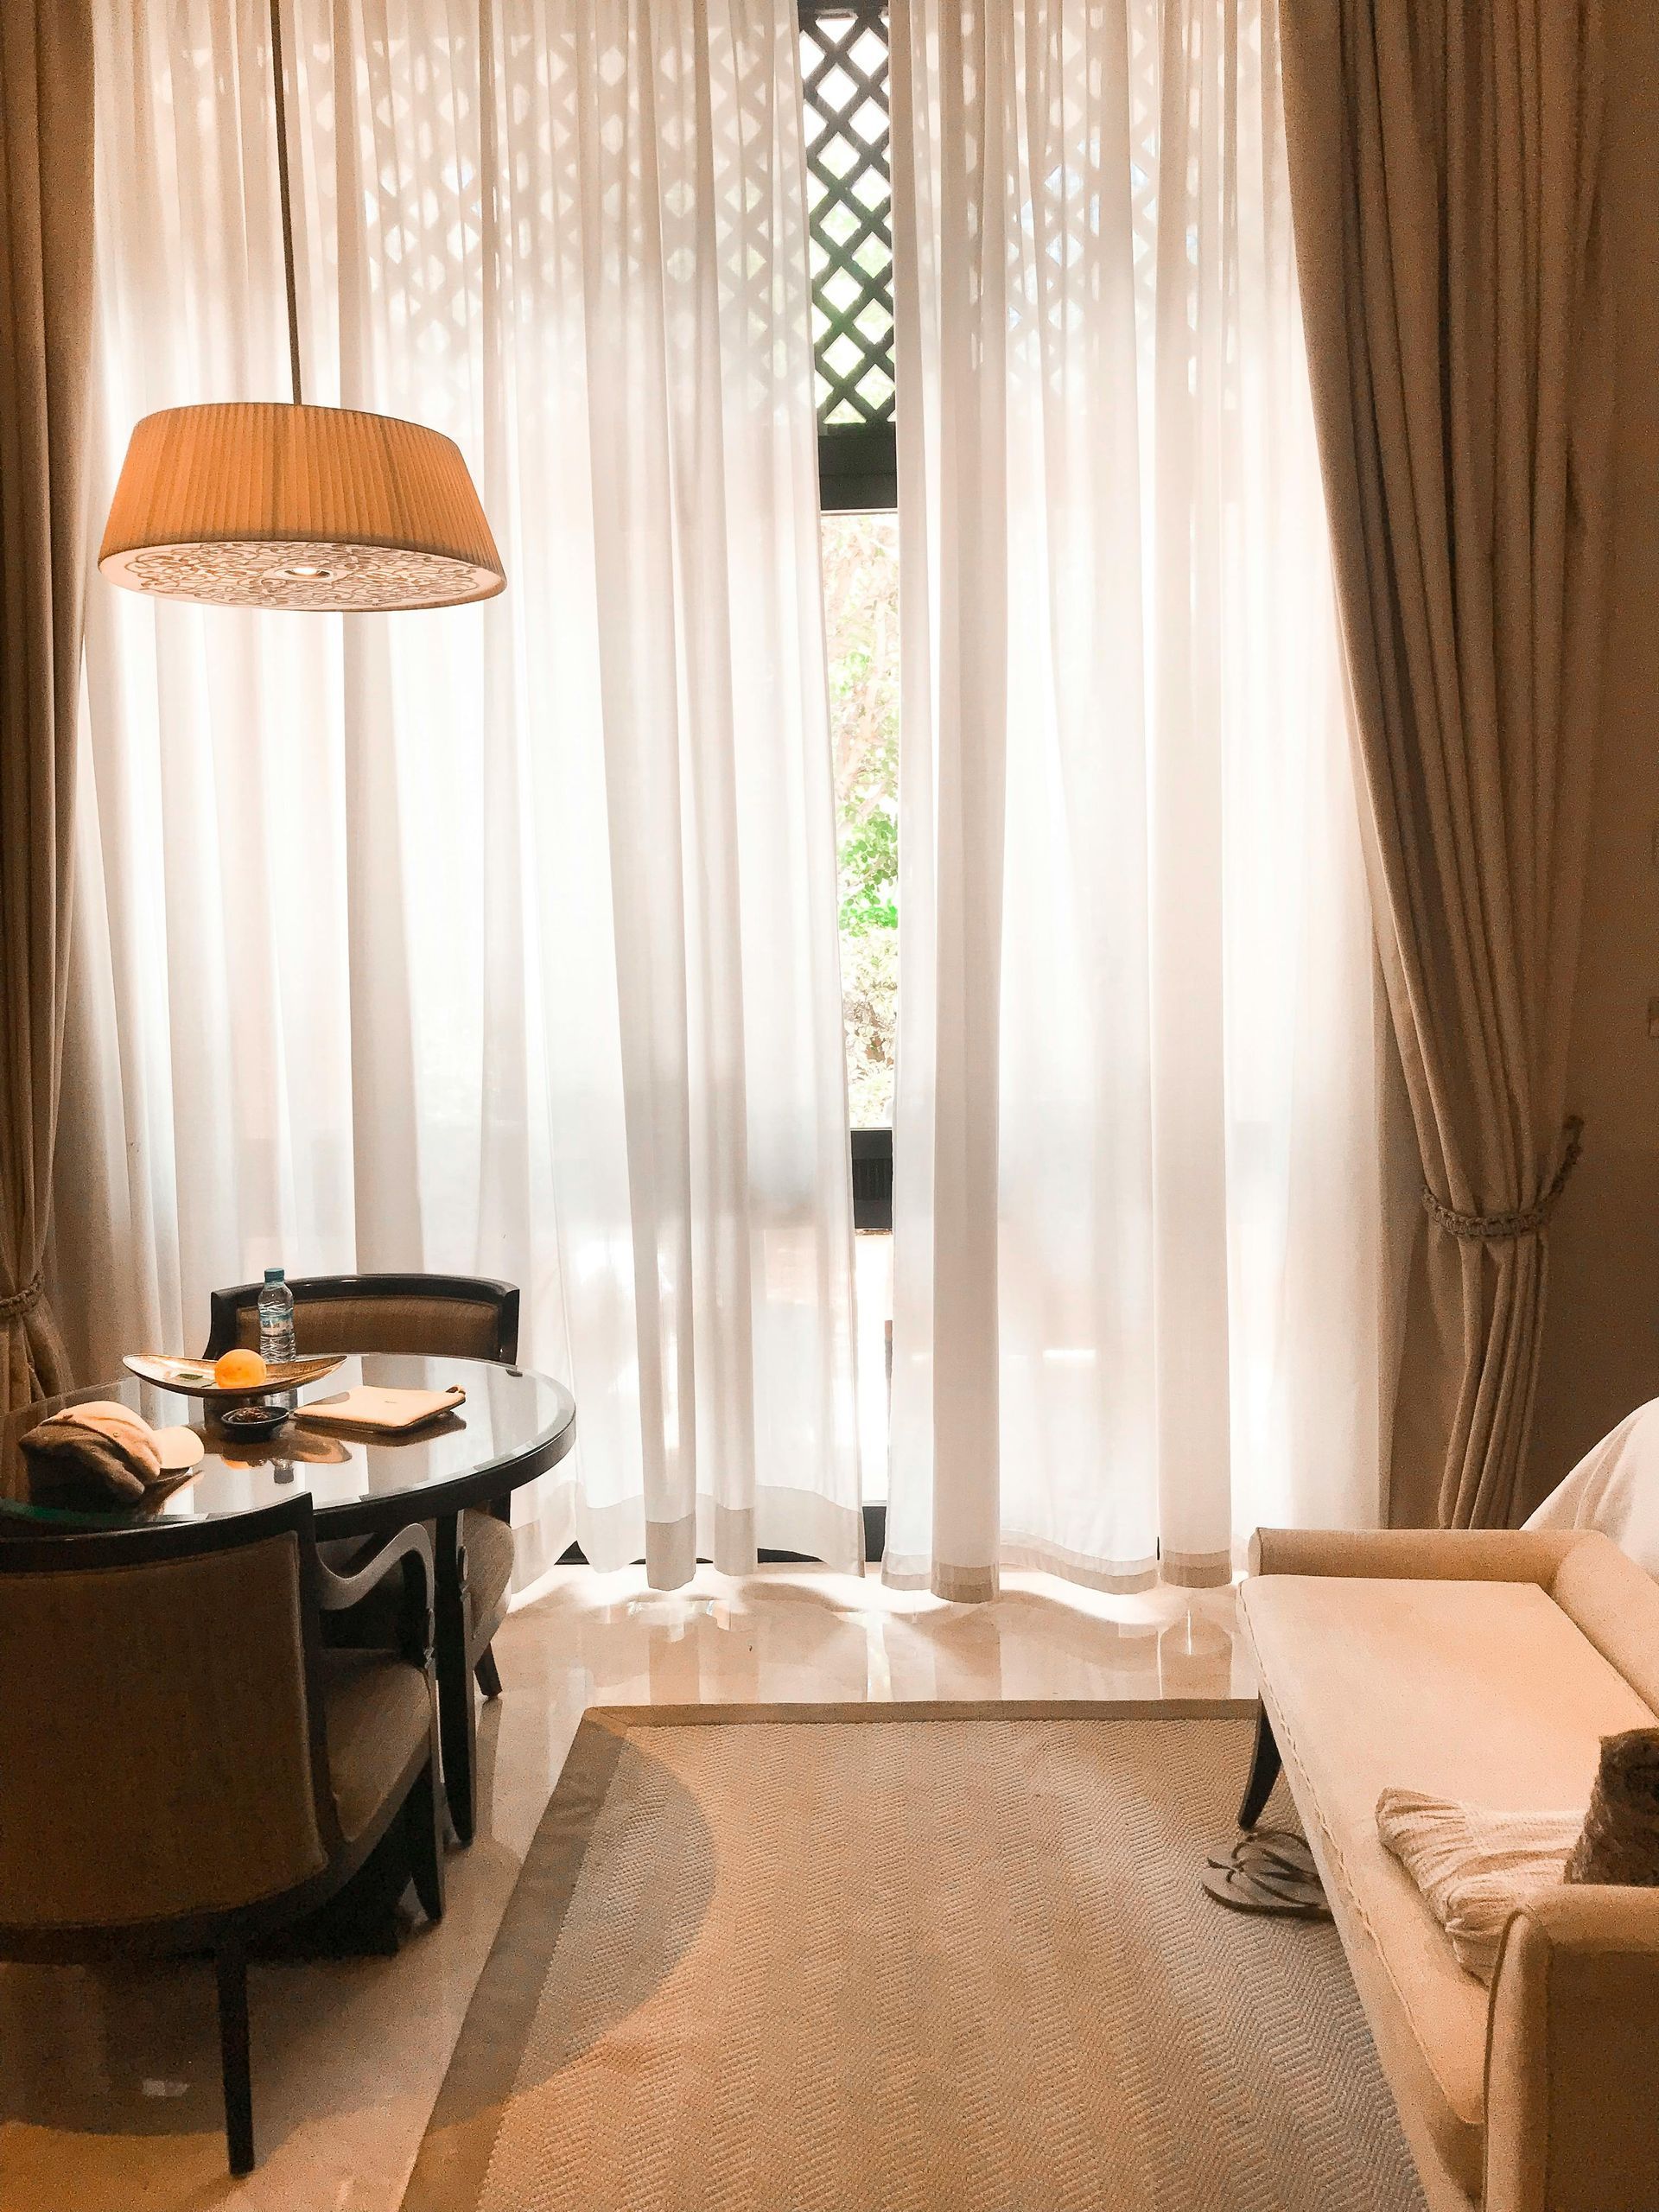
{"type": "Point", "coordinates": [1485, 1666]}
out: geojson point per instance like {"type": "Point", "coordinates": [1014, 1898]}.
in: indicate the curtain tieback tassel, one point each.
{"type": "Point", "coordinates": [22, 1302]}
{"type": "Point", "coordinates": [1524, 1220]}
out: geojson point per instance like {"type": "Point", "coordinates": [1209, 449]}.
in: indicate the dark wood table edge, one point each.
{"type": "Point", "coordinates": [362, 1516]}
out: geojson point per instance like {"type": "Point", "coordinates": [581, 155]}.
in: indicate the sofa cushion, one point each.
{"type": "Point", "coordinates": [1482, 1691]}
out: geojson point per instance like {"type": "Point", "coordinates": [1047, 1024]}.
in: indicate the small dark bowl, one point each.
{"type": "Point", "coordinates": [254, 1419]}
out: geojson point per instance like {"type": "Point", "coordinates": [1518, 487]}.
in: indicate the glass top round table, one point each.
{"type": "Point", "coordinates": [513, 1426]}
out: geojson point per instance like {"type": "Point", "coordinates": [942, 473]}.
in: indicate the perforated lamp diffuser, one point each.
{"type": "Point", "coordinates": [261, 503]}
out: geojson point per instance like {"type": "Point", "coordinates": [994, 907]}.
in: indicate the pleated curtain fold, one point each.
{"type": "Point", "coordinates": [1444, 163]}
{"type": "Point", "coordinates": [502, 938]}
{"type": "Point", "coordinates": [46, 308]}
{"type": "Point", "coordinates": [1137, 1204]}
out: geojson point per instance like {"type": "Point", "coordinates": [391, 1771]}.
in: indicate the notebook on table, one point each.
{"type": "Point", "coordinates": [381, 1412]}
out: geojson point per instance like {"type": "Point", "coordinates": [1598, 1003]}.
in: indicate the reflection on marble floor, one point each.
{"type": "Point", "coordinates": [109, 2079]}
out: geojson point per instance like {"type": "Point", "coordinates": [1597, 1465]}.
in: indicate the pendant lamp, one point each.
{"type": "Point", "coordinates": [258, 503]}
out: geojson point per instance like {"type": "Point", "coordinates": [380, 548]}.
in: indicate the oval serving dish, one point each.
{"type": "Point", "coordinates": [193, 1378]}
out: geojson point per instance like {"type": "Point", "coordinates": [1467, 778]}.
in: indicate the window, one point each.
{"type": "Point", "coordinates": [844, 82]}
{"type": "Point", "coordinates": [844, 61]}
{"type": "Point", "coordinates": [861, 590]}
{"type": "Point", "coordinates": [844, 64]}
{"type": "Point", "coordinates": [860, 595]}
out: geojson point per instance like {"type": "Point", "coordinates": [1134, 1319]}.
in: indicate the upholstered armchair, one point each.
{"type": "Point", "coordinates": [435, 1317]}
{"type": "Point", "coordinates": [184, 1767]}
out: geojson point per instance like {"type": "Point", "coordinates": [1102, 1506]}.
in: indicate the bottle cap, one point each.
{"type": "Point", "coordinates": [273, 1274]}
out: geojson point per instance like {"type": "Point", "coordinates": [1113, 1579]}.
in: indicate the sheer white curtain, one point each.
{"type": "Point", "coordinates": [497, 939]}
{"type": "Point", "coordinates": [1137, 1196]}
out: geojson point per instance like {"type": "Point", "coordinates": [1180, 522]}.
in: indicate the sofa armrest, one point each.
{"type": "Point", "coordinates": [1572, 2055]}
{"type": "Point", "coordinates": [1416, 1554]}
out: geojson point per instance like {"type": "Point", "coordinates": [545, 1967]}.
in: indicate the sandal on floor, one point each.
{"type": "Point", "coordinates": [1270, 1871]}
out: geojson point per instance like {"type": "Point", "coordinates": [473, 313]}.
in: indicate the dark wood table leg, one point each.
{"type": "Point", "coordinates": [457, 1720]}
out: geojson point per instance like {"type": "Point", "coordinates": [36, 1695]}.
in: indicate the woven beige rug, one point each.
{"type": "Point", "coordinates": [905, 1959]}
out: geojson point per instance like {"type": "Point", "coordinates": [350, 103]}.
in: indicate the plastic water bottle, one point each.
{"type": "Point", "coordinates": [276, 1318]}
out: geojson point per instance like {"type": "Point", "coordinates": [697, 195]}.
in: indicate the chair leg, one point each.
{"type": "Point", "coordinates": [424, 1825]}
{"type": "Point", "coordinates": [230, 1968]}
{"type": "Point", "coordinates": [489, 1678]}
{"type": "Point", "coordinates": [457, 1720]}
{"type": "Point", "coordinates": [1264, 1771]}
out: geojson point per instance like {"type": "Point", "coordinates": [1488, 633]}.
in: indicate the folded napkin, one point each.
{"type": "Point", "coordinates": [1473, 1866]}
{"type": "Point", "coordinates": [105, 1446]}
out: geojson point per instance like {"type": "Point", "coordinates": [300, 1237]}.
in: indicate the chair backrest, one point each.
{"type": "Point", "coordinates": [163, 1743]}
{"type": "Point", "coordinates": [441, 1317]}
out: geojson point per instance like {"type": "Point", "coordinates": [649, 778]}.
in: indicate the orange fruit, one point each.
{"type": "Point", "coordinates": [238, 1369]}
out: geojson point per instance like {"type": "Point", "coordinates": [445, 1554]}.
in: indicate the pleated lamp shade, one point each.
{"type": "Point", "coordinates": [258, 503]}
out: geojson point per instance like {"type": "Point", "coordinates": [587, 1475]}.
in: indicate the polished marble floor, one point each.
{"type": "Point", "coordinates": [109, 2081]}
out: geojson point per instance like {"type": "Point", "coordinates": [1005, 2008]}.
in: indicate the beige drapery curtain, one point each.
{"type": "Point", "coordinates": [1444, 161]}
{"type": "Point", "coordinates": [46, 295]}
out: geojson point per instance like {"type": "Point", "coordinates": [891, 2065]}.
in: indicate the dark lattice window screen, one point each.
{"type": "Point", "coordinates": [844, 74]}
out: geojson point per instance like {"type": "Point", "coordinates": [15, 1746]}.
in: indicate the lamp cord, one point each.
{"type": "Point", "coordinates": [280, 102]}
